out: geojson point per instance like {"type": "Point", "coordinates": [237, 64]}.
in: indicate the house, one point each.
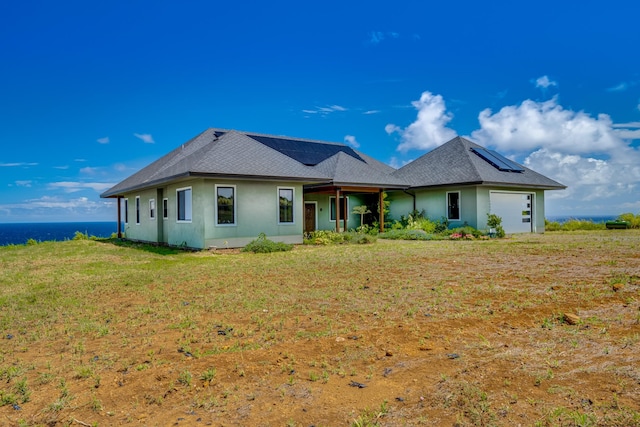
{"type": "Point", "coordinates": [462, 182]}
{"type": "Point", "coordinates": [224, 187]}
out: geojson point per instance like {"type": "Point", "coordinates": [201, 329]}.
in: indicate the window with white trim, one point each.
{"type": "Point", "coordinates": [285, 205]}
{"type": "Point", "coordinates": [137, 209]}
{"type": "Point", "coordinates": [225, 204]}
{"type": "Point", "coordinates": [152, 209]}
{"type": "Point", "coordinates": [344, 208]}
{"type": "Point", "coordinates": [126, 211]}
{"type": "Point", "coordinates": [453, 205]}
{"type": "Point", "coordinates": [165, 208]}
{"type": "Point", "coordinates": [183, 197]}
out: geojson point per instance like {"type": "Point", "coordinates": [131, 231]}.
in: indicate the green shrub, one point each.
{"type": "Point", "coordinates": [573, 225]}
{"type": "Point", "coordinates": [80, 236]}
{"type": "Point", "coordinates": [32, 242]}
{"type": "Point", "coordinates": [359, 238]}
{"type": "Point", "coordinates": [633, 220]}
{"type": "Point", "coordinates": [264, 245]}
{"type": "Point", "coordinates": [326, 237]}
{"type": "Point", "coordinates": [495, 222]}
{"type": "Point", "coordinates": [552, 225]}
{"type": "Point", "coordinates": [582, 224]}
{"type": "Point", "coordinates": [405, 235]}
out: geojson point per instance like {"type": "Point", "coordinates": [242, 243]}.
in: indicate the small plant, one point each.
{"type": "Point", "coordinates": [494, 222]}
{"type": "Point", "coordinates": [185, 378]}
{"type": "Point", "coordinates": [208, 375]}
{"type": "Point", "coordinates": [264, 245]}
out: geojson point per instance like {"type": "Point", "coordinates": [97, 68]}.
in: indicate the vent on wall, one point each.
{"type": "Point", "coordinates": [497, 160]}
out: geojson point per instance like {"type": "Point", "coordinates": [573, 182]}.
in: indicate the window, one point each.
{"type": "Point", "coordinates": [453, 205]}
{"type": "Point", "coordinates": [126, 211]}
{"type": "Point", "coordinates": [152, 209]}
{"type": "Point", "coordinates": [184, 204]}
{"type": "Point", "coordinates": [344, 208]}
{"type": "Point", "coordinates": [285, 205]}
{"type": "Point", "coordinates": [137, 209]}
{"type": "Point", "coordinates": [165, 208]}
{"type": "Point", "coordinates": [225, 205]}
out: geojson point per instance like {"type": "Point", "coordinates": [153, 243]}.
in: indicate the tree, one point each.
{"type": "Point", "coordinates": [362, 211]}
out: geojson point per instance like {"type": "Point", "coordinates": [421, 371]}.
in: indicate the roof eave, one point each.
{"type": "Point", "coordinates": [156, 183]}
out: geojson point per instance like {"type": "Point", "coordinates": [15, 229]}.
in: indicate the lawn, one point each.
{"type": "Point", "coordinates": [529, 330]}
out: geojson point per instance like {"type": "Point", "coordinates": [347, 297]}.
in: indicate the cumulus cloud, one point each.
{"type": "Point", "coordinates": [104, 140]}
{"type": "Point", "coordinates": [145, 137]}
{"type": "Point", "coordinates": [351, 140]}
{"type": "Point", "coordinates": [532, 125]}
{"type": "Point", "coordinates": [429, 129]}
{"type": "Point", "coordinates": [24, 183]}
{"type": "Point", "coordinates": [597, 159]}
{"type": "Point", "coordinates": [544, 82]}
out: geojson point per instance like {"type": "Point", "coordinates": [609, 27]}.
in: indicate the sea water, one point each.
{"type": "Point", "coordinates": [19, 233]}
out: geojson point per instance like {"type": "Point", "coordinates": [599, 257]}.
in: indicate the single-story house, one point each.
{"type": "Point", "coordinates": [224, 187]}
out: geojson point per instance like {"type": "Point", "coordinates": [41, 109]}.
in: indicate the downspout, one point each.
{"type": "Point", "coordinates": [414, 199]}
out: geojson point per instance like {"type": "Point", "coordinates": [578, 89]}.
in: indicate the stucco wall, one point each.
{"type": "Point", "coordinates": [323, 211]}
{"type": "Point", "coordinates": [147, 228]}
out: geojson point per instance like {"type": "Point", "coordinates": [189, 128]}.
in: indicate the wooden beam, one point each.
{"type": "Point", "coordinates": [381, 204]}
{"type": "Point", "coordinates": [337, 210]}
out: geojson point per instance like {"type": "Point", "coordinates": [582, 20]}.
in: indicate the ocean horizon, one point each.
{"type": "Point", "coordinates": [18, 233]}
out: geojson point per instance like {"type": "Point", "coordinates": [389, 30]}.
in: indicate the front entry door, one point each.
{"type": "Point", "coordinates": [309, 217]}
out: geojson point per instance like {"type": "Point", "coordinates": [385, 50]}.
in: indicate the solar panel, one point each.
{"type": "Point", "coordinates": [497, 160]}
{"type": "Point", "coordinates": [307, 153]}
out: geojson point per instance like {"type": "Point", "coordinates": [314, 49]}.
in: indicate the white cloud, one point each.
{"type": "Point", "coordinates": [88, 170]}
{"type": "Point", "coordinates": [325, 110]}
{"type": "Point", "coordinates": [544, 82]}
{"type": "Point", "coordinates": [145, 137]}
{"type": "Point", "coordinates": [429, 129]}
{"type": "Point", "coordinates": [104, 140]}
{"type": "Point", "coordinates": [371, 112]}
{"type": "Point", "coordinates": [58, 208]}
{"type": "Point", "coordinates": [597, 159]}
{"type": "Point", "coordinates": [72, 186]}
{"type": "Point", "coordinates": [621, 87]}
{"type": "Point", "coordinates": [17, 164]}
{"type": "Point", "coordinates": [532, 125]}
{"type": "Point", "coordinates": [25, 183]}
{"type": "Point", "coordinates": [351, 140]}
{"type": "Point", "coordinates": [377, 37]}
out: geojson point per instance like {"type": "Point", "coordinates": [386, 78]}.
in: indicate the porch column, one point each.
{"type": "Point", "coordinates": [337, 210]}
{"type": "Point", "coordinates": [381, 207]}
{"type": "Point", "coordinates": [119, 220]}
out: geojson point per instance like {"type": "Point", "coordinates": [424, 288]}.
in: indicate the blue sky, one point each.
{"type": "Point", "coordinates": [90, 92]}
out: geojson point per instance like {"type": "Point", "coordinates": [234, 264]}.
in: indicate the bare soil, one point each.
{"type": "Point", "coordinates": [396, 333]}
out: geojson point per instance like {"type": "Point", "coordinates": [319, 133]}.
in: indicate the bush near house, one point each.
{"type": "Point", "coordinates": [264, 245]}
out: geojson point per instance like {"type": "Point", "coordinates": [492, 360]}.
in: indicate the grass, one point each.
{"type": "Point", "coordinates": [101, 327]}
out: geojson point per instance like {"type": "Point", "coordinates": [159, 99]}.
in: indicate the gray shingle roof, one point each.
{"type": "Point", "coordinates": [229, 153]}
{"type": "Point", "coordinates": [453, 163]}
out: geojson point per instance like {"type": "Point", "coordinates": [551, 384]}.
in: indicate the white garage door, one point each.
{"type": "Point", "coordinates": [515, 210]}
